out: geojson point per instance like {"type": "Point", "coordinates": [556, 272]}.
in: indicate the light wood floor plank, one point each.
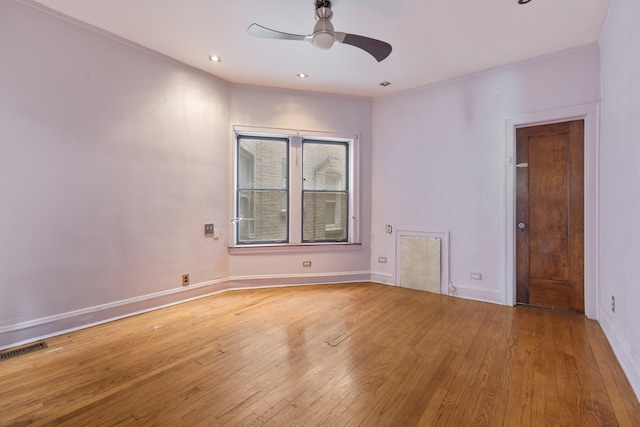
{"type": "Point", "coordinates": [333, 355]}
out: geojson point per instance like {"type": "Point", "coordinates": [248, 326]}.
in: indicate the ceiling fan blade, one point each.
{"type": "Point", "coordinates": [266, 33]}
{"type": "Point", "coordinates": [377, 48]}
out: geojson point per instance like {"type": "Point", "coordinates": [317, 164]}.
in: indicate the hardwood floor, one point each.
{"type": "Point", "coordinates": [331, 355]}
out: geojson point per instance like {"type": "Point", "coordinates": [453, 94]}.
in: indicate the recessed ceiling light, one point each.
{"type": "Point", "coordinates": [214, 58]}
{"type": "Point", "coordinates": [385, 83]}
{"type": "Point", "coordinates": [302, 75]}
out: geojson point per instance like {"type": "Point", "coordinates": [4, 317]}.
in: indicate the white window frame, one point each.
{"type": "Point", "coordinates": [295, 186]}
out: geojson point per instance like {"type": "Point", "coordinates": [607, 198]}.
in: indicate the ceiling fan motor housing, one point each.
{"type": "Point", "coordinates": [323, 32]}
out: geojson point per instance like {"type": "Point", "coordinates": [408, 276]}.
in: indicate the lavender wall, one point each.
{"type": "Point", "coordinates": [112, 160]}
{"type": "Point", "coordinates": [440, 160]}
{"type": "Point", "coordinates": [620, 208]}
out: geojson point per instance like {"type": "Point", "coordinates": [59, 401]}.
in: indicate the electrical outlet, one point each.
{"type": "Point", "coordinates": [306, 263]}
{"type": "Point", "coordinates": [475, 276]}
{"type": "Point", "coordinates": [185, 280]}
{"type": "Point", "coordinates": [209, 230]}
{"type": "Point", "coordinates": [613, 303]}
{"type": "Point", "coordinates": [382, 259]}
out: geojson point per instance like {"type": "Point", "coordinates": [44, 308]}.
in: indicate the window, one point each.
{"type": "Point", "coordinates": [293, 190]}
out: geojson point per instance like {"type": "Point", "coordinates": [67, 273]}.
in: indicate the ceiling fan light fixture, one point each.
{"type": "Point", "coordinates": [323, 41]}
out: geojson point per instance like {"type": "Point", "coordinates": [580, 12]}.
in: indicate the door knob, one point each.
{"type": "Point", "coordinates": [521, 226]}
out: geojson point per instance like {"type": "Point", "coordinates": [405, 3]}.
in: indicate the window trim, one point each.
{"type": "Point", "coordinates": [294, 231]}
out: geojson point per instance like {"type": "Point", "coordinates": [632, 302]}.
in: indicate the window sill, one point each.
{"type": "Point", "coordinates": [291, 248]}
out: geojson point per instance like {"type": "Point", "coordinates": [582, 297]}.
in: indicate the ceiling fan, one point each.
{"type": "Point", "coordinates": [324, 36]}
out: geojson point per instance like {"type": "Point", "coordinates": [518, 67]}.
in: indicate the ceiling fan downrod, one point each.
{"type": "Point", "coordinates": [323, 3]}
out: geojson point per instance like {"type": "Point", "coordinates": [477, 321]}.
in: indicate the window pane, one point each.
{"type": "Point", "coordinates": [324, 166]}
{"type": "Point", "coordinates": [263, 216]}
{"type": "Point", "coordinates": [262, 163]}
{"type": "Point", "coordinates": [325, 216]}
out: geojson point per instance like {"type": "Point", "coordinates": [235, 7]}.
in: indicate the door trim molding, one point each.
{"type": "Point", "coordinates": [590, 113]}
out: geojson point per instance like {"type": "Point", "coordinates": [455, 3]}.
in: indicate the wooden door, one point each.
{"type": "Point", "coordinates": [550, 216]}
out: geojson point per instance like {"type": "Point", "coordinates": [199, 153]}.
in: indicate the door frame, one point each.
{"type": "Point", "coordinates": [590, 113]}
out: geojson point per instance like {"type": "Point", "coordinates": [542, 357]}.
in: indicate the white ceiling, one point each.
{"type": "Point", "coordinates": [433, 40]}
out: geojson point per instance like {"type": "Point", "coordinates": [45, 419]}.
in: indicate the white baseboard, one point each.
{"type": "Point", "coordinates": [383, 278]}
{"type": "Point", "coordinates": [247, 282]}
{"type": "Point", "coordinates": [462, 291]}
{"type": "Point", "coordinates": [477, 294]}
{"type": "Point", "coordinates": [33, 330]}
{"type": "Point", "coordinates": [630, 365]}
{"type": "Point", "coordinates": [17, 334]}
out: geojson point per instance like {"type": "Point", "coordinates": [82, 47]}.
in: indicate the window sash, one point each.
{"type": "Point", "coordinates": [321, 225]}
{"type": "Point", "coordinates": [262, 190]}
{"type": "Point", "coordinates": [325, 174]}
{"type": "Point", "coordinates": [270, 224]}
